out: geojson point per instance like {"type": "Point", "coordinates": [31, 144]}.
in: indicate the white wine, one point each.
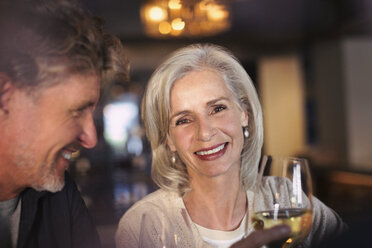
{"type": "Point", "coordinates": [298, 219]}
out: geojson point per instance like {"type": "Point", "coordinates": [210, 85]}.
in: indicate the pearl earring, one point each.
{"type": "Point", "coordinates": [173, 159]}
{"type": "Point", "coordinates": [246, 132]}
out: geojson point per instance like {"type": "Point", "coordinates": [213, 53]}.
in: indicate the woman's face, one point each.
{"type": "Point", "coordinates": [206, 125]}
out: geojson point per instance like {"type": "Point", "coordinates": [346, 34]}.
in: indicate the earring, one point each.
{"type": "Point", "coordinates": [173, 159]}
{"type": "Point", "coordinates": [246, 132]}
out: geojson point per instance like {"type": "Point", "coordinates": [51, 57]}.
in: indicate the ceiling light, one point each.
{"type": "Point", "coordinates": [193, 18]}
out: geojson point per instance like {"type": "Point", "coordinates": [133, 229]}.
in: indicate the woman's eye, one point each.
{"type": "Point", "coordinates": [182, 121]}
{"type": "Point", "coordinates": [218, 109]}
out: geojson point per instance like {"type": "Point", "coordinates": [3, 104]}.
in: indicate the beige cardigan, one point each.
{"type": "Point", "coordinates": [168, 207]}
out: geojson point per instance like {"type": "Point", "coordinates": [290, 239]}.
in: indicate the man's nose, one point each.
{"type": "Point", "coordinates": [88, 136]}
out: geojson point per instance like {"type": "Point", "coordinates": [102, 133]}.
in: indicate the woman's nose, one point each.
{"type": "Point", "coordinates": [88, 136]}
{"type": "Point", "coordinates": [205, 130]}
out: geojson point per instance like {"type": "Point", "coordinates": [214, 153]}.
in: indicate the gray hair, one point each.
{"type": "Point", "coordinates": [42, 42]}
{"type": "Point", "coordinates": [156, 109]}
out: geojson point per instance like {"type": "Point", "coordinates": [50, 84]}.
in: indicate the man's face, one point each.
{"type": "Point", "coordinates": [44, 131]}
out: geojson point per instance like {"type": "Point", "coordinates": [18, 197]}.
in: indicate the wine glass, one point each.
{"type": "Point", "coordinates": [156, 228]}
{"type": "Point", "coordinates": [283, 195]}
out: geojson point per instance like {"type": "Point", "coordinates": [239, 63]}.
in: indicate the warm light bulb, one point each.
{"type": "Point", "coordinates": [217, 13]}
{"type": "Point", "coordinates": [203, 5]}
{"type": "Point", "coordinates": [157, 14]}
{"type": "Point", "coordinates": [174, 4]}
{"type": "Point", "coordinates": [165, 28]}
{"type": "Point", "coordinates": [198, 18]}
{"type": "Point", "coordinates": [178, 24]}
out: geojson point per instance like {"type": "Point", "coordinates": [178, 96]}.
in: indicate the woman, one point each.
{"type": "Point", "coordinates": [203, 119]}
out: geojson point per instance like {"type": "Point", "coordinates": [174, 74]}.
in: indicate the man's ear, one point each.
{"type": "Point", "coordinates": [6, 89]}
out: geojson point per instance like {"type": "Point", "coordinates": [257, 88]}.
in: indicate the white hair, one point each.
{"type": "Point", "coordinates": [156, 109]}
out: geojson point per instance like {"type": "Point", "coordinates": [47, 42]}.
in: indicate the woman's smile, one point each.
{"type": "Point", "coordinates": [206, 124]}
{"type": "Point", "coordinates": [212, 153]}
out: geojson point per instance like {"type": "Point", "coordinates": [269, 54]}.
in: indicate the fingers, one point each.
{"type": "Point", "coordinates": [266, 236]}
{"type": "Point", "coordinates": [259, 238]}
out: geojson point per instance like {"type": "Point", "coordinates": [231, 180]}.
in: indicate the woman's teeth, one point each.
{"type": "Point", "coordinates": [66, 155]}
{"type": "Point", "coordinates": [209, 152]}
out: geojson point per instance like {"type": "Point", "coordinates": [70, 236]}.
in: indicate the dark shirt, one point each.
{"type": "Point", "coordinates": [56, 219]}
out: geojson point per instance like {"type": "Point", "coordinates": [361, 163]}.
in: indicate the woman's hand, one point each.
{"type": "Point", "coordinates": [259, 238]}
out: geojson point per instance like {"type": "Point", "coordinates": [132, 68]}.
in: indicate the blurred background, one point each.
{"type": "Point", "coordinates": [311, 61]}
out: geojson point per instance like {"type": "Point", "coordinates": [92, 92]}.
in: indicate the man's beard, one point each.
{"type": "Point", "coordinates": [50, 180]}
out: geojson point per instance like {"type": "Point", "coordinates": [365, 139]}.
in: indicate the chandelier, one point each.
{"type": "Point", "coordinates": [191, 18]}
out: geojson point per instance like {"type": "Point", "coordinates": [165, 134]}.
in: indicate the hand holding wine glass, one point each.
{"type": "Point", "coordinates": [283, 195]}
{"type": "Point", "coordinates": [257, 239]}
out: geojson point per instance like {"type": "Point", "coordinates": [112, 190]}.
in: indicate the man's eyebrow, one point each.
{"type": "Point", "coordinates": [85, 106]}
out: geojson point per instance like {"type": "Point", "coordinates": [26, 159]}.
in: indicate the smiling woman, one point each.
{"type": "Point", "coordinates": [203, 119]}
{"type": "Point", "coordinates": [203, 128]}
{"type": "Point", "coordinates": [218, 65]}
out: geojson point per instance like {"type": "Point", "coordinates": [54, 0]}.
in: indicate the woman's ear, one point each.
{"type": "Point", "coordinates": [171, 145]}
{"type": "Point", "coordinates": [244, 118]}
{"type": "Point", "coordinates": [6, 89]}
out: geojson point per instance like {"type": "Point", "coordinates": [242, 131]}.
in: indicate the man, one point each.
{"type": "Point", "coordinates": [53, 58]}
